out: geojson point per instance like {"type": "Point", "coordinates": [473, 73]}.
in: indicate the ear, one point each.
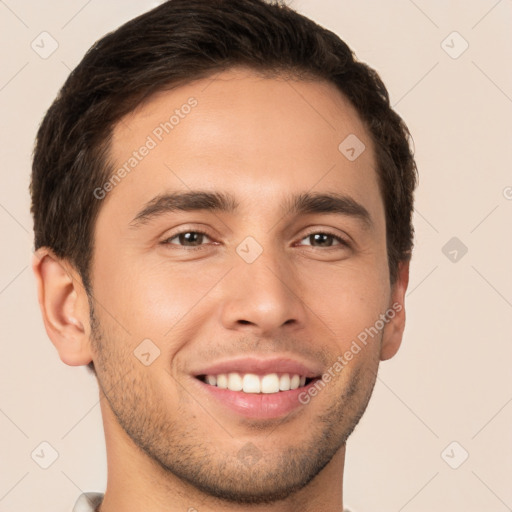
{"type": "Point", "coordinates": [64, 306]}
{"type": "Point", "coordinates": [394, 329]}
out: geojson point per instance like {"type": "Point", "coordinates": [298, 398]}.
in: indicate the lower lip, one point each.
{"type": "Point", "coordinates": [258, 405]}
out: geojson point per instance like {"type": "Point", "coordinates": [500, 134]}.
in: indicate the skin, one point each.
{"type": "Point", "coordinates": [261, 140]}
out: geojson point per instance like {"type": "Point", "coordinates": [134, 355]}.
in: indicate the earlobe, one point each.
{"type": "Point", "coordinates": [64, 307]}
{"type": "Point", "coordinates": [394, 329]}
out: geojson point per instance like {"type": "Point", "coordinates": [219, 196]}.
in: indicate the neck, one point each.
{"type": "Point", "coordinates": [136, 482]}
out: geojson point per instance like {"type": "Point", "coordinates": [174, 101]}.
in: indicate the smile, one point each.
{"type": "Point", "coordinates": [256, 387]}
{"type": "Point", "coordinates": [252, 383]}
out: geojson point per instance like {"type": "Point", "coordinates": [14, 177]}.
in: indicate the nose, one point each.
{"type": "Point", "coordinates": [262, 297]}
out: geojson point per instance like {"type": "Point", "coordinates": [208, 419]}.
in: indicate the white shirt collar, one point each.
{"type": "Point", "coordinates": [88, 501]}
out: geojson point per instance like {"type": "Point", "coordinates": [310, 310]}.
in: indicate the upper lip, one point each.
{"type": "Point", "coordinates": [261, 366]}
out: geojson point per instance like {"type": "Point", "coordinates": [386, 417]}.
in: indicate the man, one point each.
{"type": "Point", "coordinates": [222, 200]}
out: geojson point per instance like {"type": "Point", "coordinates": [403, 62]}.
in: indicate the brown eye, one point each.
{"type": "Point", "coordinates": [188, 239]}
{"type": "Point", "coordinates": [322, 239]}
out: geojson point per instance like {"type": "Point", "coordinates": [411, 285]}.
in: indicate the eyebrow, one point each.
{"type": "Point", "coordinates": [305, 203]}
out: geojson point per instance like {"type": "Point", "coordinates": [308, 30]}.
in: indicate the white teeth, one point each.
{"type": "Point", "coordinates": [270, 383]}
{"type": "Point", "coordinates": [252, 383]}
{"type": "Point", "coordinates": [222, 381]}
{"type": "Point", "coordinates": [235, 382]}
{"type": "Point", "coordinates": [211, 379]}
{"type": "Point", "coordinates": [284, 382]}
{"type": "Point", "coordinates": [294, 382]}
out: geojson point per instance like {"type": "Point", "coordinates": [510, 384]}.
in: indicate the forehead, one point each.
{"type": "Point", "coordinates": [253, 136]}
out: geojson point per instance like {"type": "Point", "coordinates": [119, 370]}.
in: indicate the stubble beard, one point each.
{"type": "Point", "coordinates": [178, 443]}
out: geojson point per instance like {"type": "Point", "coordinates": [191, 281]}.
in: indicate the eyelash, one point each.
{"type": "Point", "coordinates": [342, 241]}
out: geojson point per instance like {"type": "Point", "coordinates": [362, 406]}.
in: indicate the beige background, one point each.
{"type": "Point", "coordinates": [451, 380]}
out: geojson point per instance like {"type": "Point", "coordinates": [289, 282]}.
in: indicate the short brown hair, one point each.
{"type": "Point", "coordinates": [175, 43]}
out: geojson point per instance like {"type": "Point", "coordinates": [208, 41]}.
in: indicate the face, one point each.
{"type": "Point", "coordinates": [241, 253]}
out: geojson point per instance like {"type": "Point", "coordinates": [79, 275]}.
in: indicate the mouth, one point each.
{"type": "Point", "coordinates": [252, 383]}
{"type": "Point", "coordinates": [257, 388]}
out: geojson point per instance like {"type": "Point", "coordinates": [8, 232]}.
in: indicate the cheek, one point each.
{"type": "Point", "coordinates": [159, 300]}
{"type": "Point", "coordinates": [348, 297]}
